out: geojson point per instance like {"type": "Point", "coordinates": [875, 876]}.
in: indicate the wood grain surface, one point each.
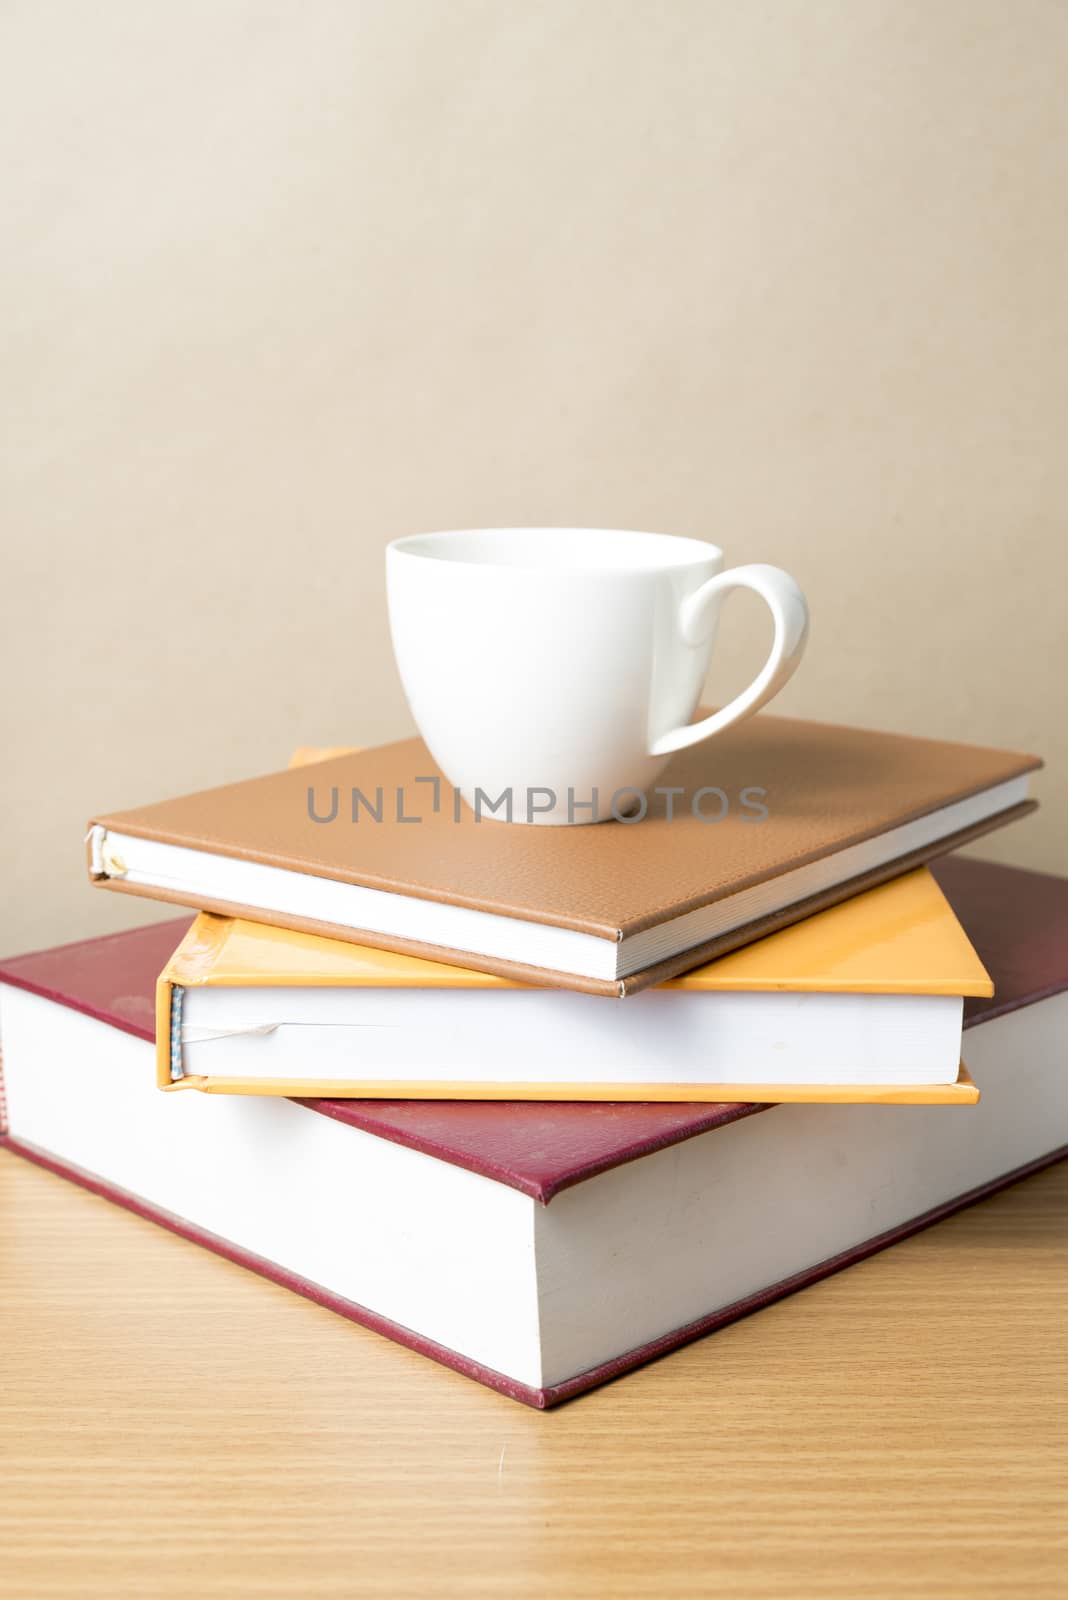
{"type": "Point", "coordinates": [175, 1427]}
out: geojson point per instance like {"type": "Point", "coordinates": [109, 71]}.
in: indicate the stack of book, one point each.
{"type": "Point", "coordinates": [545, 1103]}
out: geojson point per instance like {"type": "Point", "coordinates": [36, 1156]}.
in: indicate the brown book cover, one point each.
{"type": "Point", "coordinates": [773, 799]}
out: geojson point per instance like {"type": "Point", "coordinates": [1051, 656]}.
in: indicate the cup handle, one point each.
{"type": "Point", "coordinates": [790, 613]}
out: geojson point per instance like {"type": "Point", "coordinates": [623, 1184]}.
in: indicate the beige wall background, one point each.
{"type": "Point", "coordinates": [281, 282]}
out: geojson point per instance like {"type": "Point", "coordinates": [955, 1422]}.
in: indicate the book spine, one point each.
{"type": "Point", "coordinates": [168, 1031]}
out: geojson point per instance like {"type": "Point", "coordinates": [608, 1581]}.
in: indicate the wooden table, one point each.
{"type": "Point", "coordinates": [175, 1426]}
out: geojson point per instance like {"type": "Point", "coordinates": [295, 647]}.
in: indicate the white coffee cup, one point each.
{"type": "Point", "coordinates": [560, 667]}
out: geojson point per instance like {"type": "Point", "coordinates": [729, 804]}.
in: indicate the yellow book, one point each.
{"type": "Point", "coordinates": [860, 1003]}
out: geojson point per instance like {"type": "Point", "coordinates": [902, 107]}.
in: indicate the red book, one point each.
{"type": "Point", "coordinates": [539, 1248]}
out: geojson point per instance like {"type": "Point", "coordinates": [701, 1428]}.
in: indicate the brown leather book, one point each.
{"type": "Point", "coordinates": [773, 820]}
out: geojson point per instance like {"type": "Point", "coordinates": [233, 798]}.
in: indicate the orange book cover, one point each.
{"type": "Point", "coordinates": [900, 939]}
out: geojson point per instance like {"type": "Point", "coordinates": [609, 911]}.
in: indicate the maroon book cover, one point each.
{"type": "Point", "coordinates": [1017, 920]}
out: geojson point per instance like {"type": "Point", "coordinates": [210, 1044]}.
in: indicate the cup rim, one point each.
{"type": "Point", "coordinates": [678, 551]}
